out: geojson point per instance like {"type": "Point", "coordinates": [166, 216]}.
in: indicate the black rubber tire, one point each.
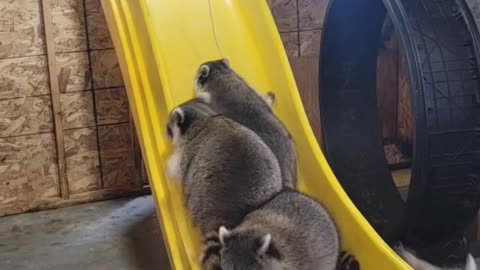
{"type": "Point", "coordinates": [440, 44]}
{"type": "Point", "coordinates": [350, 125]}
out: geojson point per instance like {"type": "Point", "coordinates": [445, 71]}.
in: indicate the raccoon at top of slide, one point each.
{"type": "Point", "coordinates": [227, 93]}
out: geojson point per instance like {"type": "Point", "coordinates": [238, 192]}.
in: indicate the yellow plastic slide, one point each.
{"type": "Point", "coordinates": [160, 44]}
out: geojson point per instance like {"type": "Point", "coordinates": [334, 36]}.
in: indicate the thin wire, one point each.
{"type": "Point", "coordinates": [213, 28]}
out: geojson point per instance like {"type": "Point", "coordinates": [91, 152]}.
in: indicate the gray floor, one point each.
{"type": "Point", "coordinates": [112, 235]}
{"type": "Point", "coordinates": [120, 234]}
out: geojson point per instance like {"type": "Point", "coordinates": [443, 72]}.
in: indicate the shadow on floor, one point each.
{"type": "Point", "coordinates": [148, 251]}
{"type": "Point", "coordinates": [120, 234]}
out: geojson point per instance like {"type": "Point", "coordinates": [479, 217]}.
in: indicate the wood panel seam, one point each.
{"type": "Point", "coordinates": [94, 100]}
{"type": "Point", "coordinates": [55, 97]}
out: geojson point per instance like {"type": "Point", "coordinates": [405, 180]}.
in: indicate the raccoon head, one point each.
{"type": "Point", "coordinates": [245, 250]}
{"type": "Point", "coordinates": [213, 76]}
{"type": "Point", "coordinates": [186, 118]}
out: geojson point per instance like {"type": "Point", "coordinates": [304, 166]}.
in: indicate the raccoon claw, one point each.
{"type": "Point", "coordinates": [347, 261]}
{"type": "Point", "coordinates": [212, 266]}
{"type": "Point", "coordinates": [269, 98]}
{"type": "Point", "coordinates": [212, 262]}
{"type": "Point", "coordinates": [210, 258]}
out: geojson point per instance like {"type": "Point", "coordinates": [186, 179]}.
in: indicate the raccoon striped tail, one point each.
{"type": "Point", "coordinates": [347, 261]}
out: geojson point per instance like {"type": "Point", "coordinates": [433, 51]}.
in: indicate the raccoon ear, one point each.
{"type": "Point", "coordinates": [266, 247]}
{"type": "Point", "coordinates": [222, 234]}
{"type": "Point", "coordinates": [264, 244]}
{"type": "Point", "coordinates": [269, 98]}
{"type": "Point", "coordinates": [168, 132]}
{"type": "Point", "coordinates": [471, 264]}
{"type": "Point", "coordinates": [178, 116]}
{"type": "Point", "coordinates": [204, 71]}
{"type": "Point", "coordinates": [226, 62]}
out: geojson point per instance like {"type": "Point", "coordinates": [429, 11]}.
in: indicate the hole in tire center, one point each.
{"type": "Point", "coordinates": [394, 107]}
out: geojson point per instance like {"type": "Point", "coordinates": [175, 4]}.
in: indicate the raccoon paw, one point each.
{"type": "Point", "coordinates": [269, 99]}
{"type": "Point", "coordinates": [210, 258]}
{"type": "Point", "coordinates": [347, 261]}
{"type": "Point", "coordinates": [212, 264]}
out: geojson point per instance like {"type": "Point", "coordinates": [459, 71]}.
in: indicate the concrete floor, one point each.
{"type": "Point", "coordinates": [119, 234]}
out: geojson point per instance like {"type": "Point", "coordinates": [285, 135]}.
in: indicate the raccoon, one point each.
{"type": "Point", "coordinates": [347, 261]}
{"type": "Point", "coordinates": [217, 84]}
{"type": "Point", "coordinates": [418, 264]}
{"type": "Point", "coordinates": [225, 169]}
{"type": "Point", "coordinates": [292, 231]}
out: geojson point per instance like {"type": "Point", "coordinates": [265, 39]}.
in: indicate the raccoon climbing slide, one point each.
{"type": "Point", "coordinates": [160, 44]}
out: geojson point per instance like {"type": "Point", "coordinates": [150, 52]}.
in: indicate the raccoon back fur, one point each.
{"type": "Point", "coordinates": [226, 170]}
{"type": "Point", "coordinates": [227, 93]}
{"type": "Point", "coordinates": [292, 231]}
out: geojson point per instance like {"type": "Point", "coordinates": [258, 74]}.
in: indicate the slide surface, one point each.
{"type": "Point", "coordinates": [160, 44]}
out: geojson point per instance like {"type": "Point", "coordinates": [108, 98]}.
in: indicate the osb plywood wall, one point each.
{"type": "Point", "coordinates": [300, 23]}
{"type": "Point", "coordinates": [84, 149]}
{"type": "Point", "coordinates": [393, 93]}
{"type": "Point", "coordinates": [94, 143]}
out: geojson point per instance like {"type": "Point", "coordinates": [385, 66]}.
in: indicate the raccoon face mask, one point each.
{"type": "Point", "coordinates": [186, 117]}
{"type": "Point", "coordinates": [208, 73]}
{"type": "Point", "coordinates": [242, 251]}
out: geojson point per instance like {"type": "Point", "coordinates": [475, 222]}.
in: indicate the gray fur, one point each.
{"type": "Point", "coordinates": [210, 259]}
{"type": "Point", "coordinates": [418, 264]}
{"type": "Point", "coordinates": [303, 237]}
{"type": "Point", "coordinates": [230, 95]}
{"type": "Point", "coordinates": [226, 170]}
